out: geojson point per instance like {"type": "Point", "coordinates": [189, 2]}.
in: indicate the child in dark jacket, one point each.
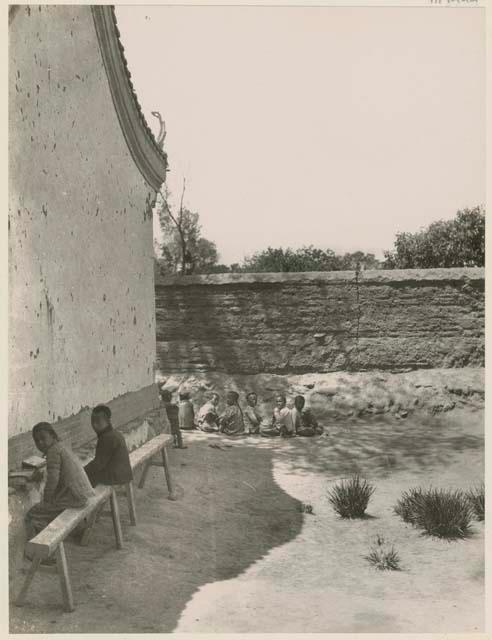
{"type": "Point", "coordinates": [305, 421]}
{"type": "Point", "coordinates": [111, 464]}
{"type": "Point", "coordinates": [231, 420]}
{"type": "Point", "coordinates": [172, 411]}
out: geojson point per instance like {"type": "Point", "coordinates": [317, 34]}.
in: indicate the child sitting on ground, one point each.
{"type": "Point", "coordinates": [252, 417]}
{"type": "Point", "coordinates": [282, 420]}
{"type": "Point", "coordinates": [111, 464]}
{"type": "Point", "coordinates": [304, 420]}
{"type": "Point", "coordinates": [67, 486]}
{"type": "Point", "coordinates": [172, 412]}
{"type": "Point", "coordinates": [186, 413]}
{"type": "Point", "coordinates": [208, 415]}
{"type": "Point", "coordinates": [231, 420]}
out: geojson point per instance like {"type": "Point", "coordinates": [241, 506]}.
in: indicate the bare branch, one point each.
{"type": "Point", "coordinates": [182, 198]}
{"type": "Point", "coordinates": [170, 214]}
{"type": "Point", "coordinates": [179, 224]}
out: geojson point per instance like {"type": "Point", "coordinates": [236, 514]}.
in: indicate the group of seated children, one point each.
{"type": "Point", "coordinates": [234, 420]}
{"type": "Point", "coordinates": [68, 483]}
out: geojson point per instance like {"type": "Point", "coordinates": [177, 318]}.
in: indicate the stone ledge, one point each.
{"type": "Point", "coordinates": [378, 276]}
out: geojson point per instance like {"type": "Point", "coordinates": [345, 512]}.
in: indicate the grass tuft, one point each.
{"type": "Point", "coordinates": [476, 497]}
{"type": "Point", "coordinates": [383, 557]}
{"type": "Point", "coordinates": [439, 512]}
{"type": "Point", "coordinates": [350, 497]}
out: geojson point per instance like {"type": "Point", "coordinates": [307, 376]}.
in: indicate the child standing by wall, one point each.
{"type": "Point", "coordinates": [172, 411]}
{"type": "Point", "coordinates": [67, 485]}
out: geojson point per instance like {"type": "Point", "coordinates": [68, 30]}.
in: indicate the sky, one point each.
{"type": "Point", "coordinates": [331, 126]}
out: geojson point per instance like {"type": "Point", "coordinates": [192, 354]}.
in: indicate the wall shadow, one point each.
{"type": "Point", "coordinates": [212, 335]}
{"type": "Point", "coordinates": [379, 447]}
{"type": "Point", "coordinates": [230, 514]}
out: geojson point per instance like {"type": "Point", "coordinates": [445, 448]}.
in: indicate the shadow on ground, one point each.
{"type": "Point", "coordinates": [230, 514]}
{"type": "Point", "coordinates": [380, 447]}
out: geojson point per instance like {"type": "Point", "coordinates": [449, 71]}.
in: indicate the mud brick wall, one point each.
{"type": "Point", "coordinates": [307, 322]}
{"type": "Point", "coordinates": [81, 288]}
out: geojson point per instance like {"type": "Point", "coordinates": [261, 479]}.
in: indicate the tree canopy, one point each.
{"type": "Point", "coordinates": [459, 242]}
{"type": "Point", "coordinates": [308, 258]}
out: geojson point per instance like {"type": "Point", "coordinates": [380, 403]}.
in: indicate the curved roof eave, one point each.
{"type": "Point", "coordinates": [148, 156]}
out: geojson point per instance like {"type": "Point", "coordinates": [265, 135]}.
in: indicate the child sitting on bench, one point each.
{"type": "Point", "coordinates": [172, 411]}
{"type": "Point", "coordinates": [67, 486]}
{"type": "Point", "coordinates": [111, 464]}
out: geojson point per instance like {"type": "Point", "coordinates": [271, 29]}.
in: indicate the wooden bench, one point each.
{"type": "Point", "coordinates": [51, 539]}
{"type": "Point", "coordinates": [144, 455]}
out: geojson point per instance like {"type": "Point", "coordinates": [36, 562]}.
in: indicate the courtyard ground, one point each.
{"type": "Point", "coordinates": [236, 554]}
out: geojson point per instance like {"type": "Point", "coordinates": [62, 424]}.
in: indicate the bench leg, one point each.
{"type": "Point", "coordinates": [147, 466]}
{"type": "Point", "coordinates": [85, 537]}
{"type": "Point", "coordinates": [66, 587]}
{"type": "Point", "coordinates": [21, 599]}
{"type": "Point", "coordinates": [167, 471]}
{"type": "Point", "coordinates": [115, 514]}
{"type": "Point", "coordinates": [130, 496]}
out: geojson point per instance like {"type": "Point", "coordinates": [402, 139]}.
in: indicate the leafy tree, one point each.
{"type": "Point", "coordinates": [205, 256]}
{"type": "Point", "coordinates": [306, 259]}
{"type": "Point", "coordinates": [349, 261]}
{"type": "Point", "coordinates": [446, 243]}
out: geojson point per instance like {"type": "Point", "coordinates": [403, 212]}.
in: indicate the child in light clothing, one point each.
{"type": "Point", "coordinates": [67, 485]}
{"type": "Point", "coordinates": [208, 415]}
{"type": "Point", "coordinates": [186, 413]}
{"type": "Point", "coordinates": [282, 420]}
{"type": "Point", "coordinates": [251, 414]}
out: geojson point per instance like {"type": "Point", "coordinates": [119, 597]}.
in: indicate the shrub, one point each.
{"type": "Point", "coordinates": [476, 498]}
{"type": "Point", "coordinates": [383, 556]}
{"type": "Point", "coordinates": [351, 497]}
{"type": "Point", "coordinates": [409, 505]}
{"type": "Point", "coordinates": [441, 513]}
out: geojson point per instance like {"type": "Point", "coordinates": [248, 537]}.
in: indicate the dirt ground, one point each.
{"type": "Point", "coordinates": [236, 554]}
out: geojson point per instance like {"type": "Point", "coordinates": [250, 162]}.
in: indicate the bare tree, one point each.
{"type": "Point", "coordinates": [186, 257]}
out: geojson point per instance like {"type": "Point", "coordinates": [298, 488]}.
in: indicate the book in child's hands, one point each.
{"type": "Point", "coordinates": [34, 462]}
{"type": "Point", "coordinates": [25, 474]}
